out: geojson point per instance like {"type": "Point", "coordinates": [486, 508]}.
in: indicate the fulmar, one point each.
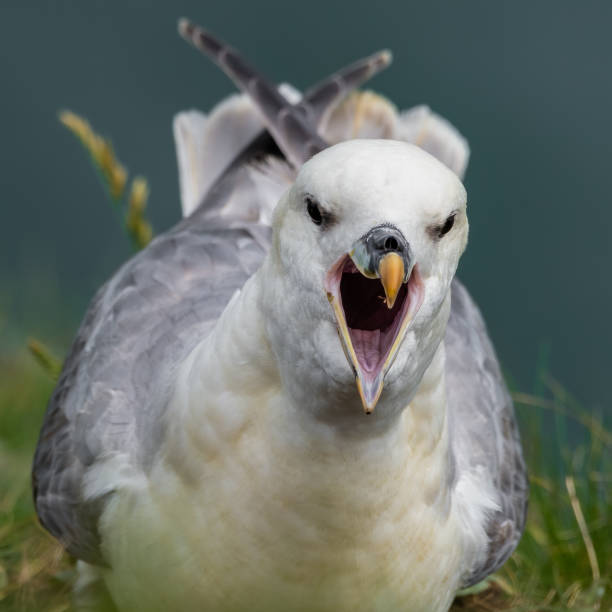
{"type": "Point", "coordinates": [288, 401]}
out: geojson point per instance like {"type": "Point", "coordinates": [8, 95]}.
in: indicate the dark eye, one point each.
{"type": "Point", "coordinates": [448, 225]}
{"type": "Point", "coordinates": [313, 210]}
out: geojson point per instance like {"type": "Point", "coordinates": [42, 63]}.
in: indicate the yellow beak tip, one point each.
{"type": "Point", "coordinates": [391, 272]}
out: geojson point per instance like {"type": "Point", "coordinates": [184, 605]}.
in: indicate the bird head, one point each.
{"type": "Point", "coordinates": [366, 243]}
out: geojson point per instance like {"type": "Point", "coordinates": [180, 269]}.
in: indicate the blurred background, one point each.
{"type": "Point", "coordinates": [527, 83]}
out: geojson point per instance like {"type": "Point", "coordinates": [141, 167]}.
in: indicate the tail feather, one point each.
{"type": "Point", "coordinates": [294, 127]}
{"type": "Point", "coordinates": [288, 126]}
{"type": "Point", "coordinates": [321, 99]}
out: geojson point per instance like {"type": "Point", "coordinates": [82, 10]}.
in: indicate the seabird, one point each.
{"type": "Point", "coordinates": [288, 401]}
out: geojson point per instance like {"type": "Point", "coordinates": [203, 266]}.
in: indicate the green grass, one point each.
{"type": "Point", "coordinates": [558, 565]}
{"type": "Point", "coordinates": [33, 568]}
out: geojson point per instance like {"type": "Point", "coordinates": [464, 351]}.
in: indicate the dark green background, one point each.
{"type": "Point", "coordinates": [528, 83]}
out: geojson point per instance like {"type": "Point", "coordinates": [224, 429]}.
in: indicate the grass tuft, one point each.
{"type": "Point", "coordinates": [564, 560]}
{"type": "Point", "coordinates": [114, 178]}
{"type": "Point", "coordinates": [101, 152]}
{"type": "Point", "coordinates": [34, 569]}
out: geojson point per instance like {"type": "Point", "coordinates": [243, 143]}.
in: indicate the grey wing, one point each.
{"type": "Point", "coordinates": [483, 428]}
{"type": "Point", "coordinates": [118, 375]}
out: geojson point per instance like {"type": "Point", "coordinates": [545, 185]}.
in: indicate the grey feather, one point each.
{"type": "Point", "coordinates": [117, 377]}
{"type": "Point", "coordinates": [484, 432]}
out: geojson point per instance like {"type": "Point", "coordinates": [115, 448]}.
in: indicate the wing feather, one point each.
{"type": "Point", "coordinates": [117, 378]}
{"type": "Point", "coordinates": [484, 431]}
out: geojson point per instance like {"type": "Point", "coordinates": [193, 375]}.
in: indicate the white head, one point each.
{"type": "Point", "coordinates": [366, 243]}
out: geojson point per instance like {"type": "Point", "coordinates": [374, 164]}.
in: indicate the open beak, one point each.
{"type": "Point", "coordinates": [374, 300]}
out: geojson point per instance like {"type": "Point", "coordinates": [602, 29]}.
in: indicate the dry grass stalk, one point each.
{"type": "Point", "coordinates": [586, 536]}
{"type": "Point", "coordinates": [138, 227]}
{"type": "Point", "coordinates": [114, 176]}
{"type": "Point", "coordinates": [45, 358]}
{"type": "Point", "coordinates": [101, 152]}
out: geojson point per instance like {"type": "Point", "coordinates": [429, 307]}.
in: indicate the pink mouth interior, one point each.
{"type": "Point", "coordinates": [371, 325]}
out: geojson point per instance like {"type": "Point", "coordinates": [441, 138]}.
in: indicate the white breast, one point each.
{"type": "Point", "coordinates": [253, 505]}
{"type": "Point", "coordinates": [260, 529]}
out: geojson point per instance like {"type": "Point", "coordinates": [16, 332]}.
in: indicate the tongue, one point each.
{"type": "Point", "coordinates": [367, 348]}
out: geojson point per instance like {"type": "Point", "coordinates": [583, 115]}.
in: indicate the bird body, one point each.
{"type": "Point", "coordinates": [213, 451]}
{"type": "Point", "coordinates": [281, 511]}
{"type": "Point", "coordinates": [278, 513]}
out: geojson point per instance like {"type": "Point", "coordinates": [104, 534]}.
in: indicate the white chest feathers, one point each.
{"type": "Point", "coordinates": [273, 519]}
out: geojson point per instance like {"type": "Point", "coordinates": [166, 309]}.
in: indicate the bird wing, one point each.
{"type": "Point", "coordinates": [118, 376]}
{"type": "Point", "coordinates": [484, 433]}
{"type": "Point", "coordinates": [141, 325]}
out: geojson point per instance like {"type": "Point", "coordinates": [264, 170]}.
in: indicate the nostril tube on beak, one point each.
{"type": "Point", "coordinates": [384, 239]}
{"type": "Point", "coordinates": [391, 244]}
{"type": "Point", "coordinates": [381, 241]}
